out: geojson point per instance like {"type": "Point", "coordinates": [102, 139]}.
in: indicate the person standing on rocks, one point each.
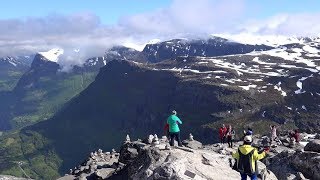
{"type": "Point", "coordinates": [247, 157]}
{"type": "Point", "coordinates": [230, 135]}
{"type": "Point", "coordinates": [174, 130]}
{"type": "Point", "coordinates": [296, 135]}
{"type": "Point", "coordinates": [222, 134]}
{"type": "Point", "coordinates": [273, 133]}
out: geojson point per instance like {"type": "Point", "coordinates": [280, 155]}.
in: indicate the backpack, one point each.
{"type": "Point", "coordinates": [244, 164]}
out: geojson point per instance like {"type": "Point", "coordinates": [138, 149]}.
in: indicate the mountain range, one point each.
{"type": "Point", "coordinates": [208, 82]}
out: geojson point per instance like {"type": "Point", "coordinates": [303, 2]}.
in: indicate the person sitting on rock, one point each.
{"type": "Point", "coordinates": [222, 133]}
{"type": "Point", "coordinates": [174, 130]}
{"type": "Point", "coordinates": [247, 157]}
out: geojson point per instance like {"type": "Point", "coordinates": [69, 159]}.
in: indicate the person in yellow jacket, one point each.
{"type": "Point", "coordinates": [247, 157]}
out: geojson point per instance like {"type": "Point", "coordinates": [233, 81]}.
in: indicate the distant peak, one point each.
{"type": "Point", "coordinates": [136, 46]}
{"type": "Point", "coordinates": [253, 39]}
{"type": "Point", "coordinates": [53, 54]}
{"type": "Point", "coordinates": [154, 41]}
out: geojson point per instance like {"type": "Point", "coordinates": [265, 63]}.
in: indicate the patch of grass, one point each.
{"type": "Point", "coordinates": [31, 148]}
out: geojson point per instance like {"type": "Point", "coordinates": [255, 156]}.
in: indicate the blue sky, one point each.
{"type": "Point", "coordinates": [109, 11]}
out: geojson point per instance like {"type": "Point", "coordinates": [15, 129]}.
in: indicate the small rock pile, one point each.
{"type": "Point", "coordinates": [100, 165]}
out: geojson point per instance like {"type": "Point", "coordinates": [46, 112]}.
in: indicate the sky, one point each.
{"type": "Point", "coordinates": [95, 25]}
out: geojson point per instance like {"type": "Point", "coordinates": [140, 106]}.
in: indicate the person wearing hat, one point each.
{"type": "Point", "coordinates": [247, 157]}
{"type": "Point", "coordinates": [174, 131]}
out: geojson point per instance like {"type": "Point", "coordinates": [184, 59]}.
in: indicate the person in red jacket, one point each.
{"type": "Point", "coordinates": [222, 133]}
{"type": "Point", "coordinates": [295, 134]}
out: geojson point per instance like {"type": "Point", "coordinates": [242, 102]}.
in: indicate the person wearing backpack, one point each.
{"type": "Point", "coordinates": [173, 121]}
{"type": "Point", "coordinates": [246, 159]}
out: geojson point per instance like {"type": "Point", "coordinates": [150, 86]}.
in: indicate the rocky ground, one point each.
{"type": "Point", "coordinates": [153, 158]}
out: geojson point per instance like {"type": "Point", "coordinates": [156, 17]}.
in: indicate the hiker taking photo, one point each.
{"type": "Point", "coordinates": [247, 157]}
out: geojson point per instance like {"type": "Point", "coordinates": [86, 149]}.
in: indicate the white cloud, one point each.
{"type": "Point", "coordinates": [187, 16]}
{"type": "Point", "coordinates": [182, 18]}
{"type": "Point", "coordinates": [286, 24]}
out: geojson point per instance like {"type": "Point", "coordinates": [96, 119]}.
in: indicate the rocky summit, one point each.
{"type": "Point", "coordinates": [153, 158]}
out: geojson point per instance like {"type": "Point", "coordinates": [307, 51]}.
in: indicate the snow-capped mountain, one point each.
{"type": "Point", "coordinates": [16, 61]}
{"type": "Point", "coordinates": [115, 53]}
{"type": "Point", "coordinates": [287, 74]}
{"type": "Point", "coordinates": [214, 46]}
{"type": "Point", "coordinates": [269, 40]}
{"type": "Point", "coordinates": [11, 69]}
{"type": "Point", "coordinates": [52, 55]}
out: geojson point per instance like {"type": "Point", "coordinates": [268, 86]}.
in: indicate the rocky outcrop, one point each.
{"type": "Point", "coordinates": [313, 146]}
{"type": "Point", "coordinates": [153, 158]}
{"type": "Point", "coordinates": [100, 165]}
{"type": "Point", "coordinates": [148, 160]}
{"type": "Point", "coordinates": [288, 165]}
{"type": "Point", "coordinates": [191, 143]}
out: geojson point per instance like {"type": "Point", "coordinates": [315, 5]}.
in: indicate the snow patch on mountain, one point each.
{"type": "Point", "coordinates": [247, 88]}
{"type": "Point", "coordinates": [241, 69]}
{"type": "Point", "coordinates": [14, 64]}
{"type": "Point", "coordinates": [269, 40]}
{"type": "Point", "coordinates": [140, 46]}
{"type": "Point", "coordinates": [310, 49]}
{"type": "Point", "coordinates": [136, 46]}
{"type": "Point", "coordinates": [299, 85]}
{"type": "Point", "coordinates": [278, 87]}
{"type": "Point", "coordinates": [154, 41]}
{"type": "Point", "coordinates": [282, 53]}
{"type": "Point", "coordinates": [256, 59]}
{"type": "Point", "coordinates": [53, 54]}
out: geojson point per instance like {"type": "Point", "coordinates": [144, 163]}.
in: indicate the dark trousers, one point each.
{"type": "Point", "coordinates": [229, 140]}
{"type": "Point", "coordinates": [175, 135]}
{"type": "Point", "coordinates": [252, 177]}
{"type": "Point", "coordinates": [168, 135]}
{"type": "Point", "coordinates": [222, 140]}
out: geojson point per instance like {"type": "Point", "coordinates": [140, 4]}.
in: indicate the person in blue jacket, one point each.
{"type": "Point", "coordinates": [174, 131]}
